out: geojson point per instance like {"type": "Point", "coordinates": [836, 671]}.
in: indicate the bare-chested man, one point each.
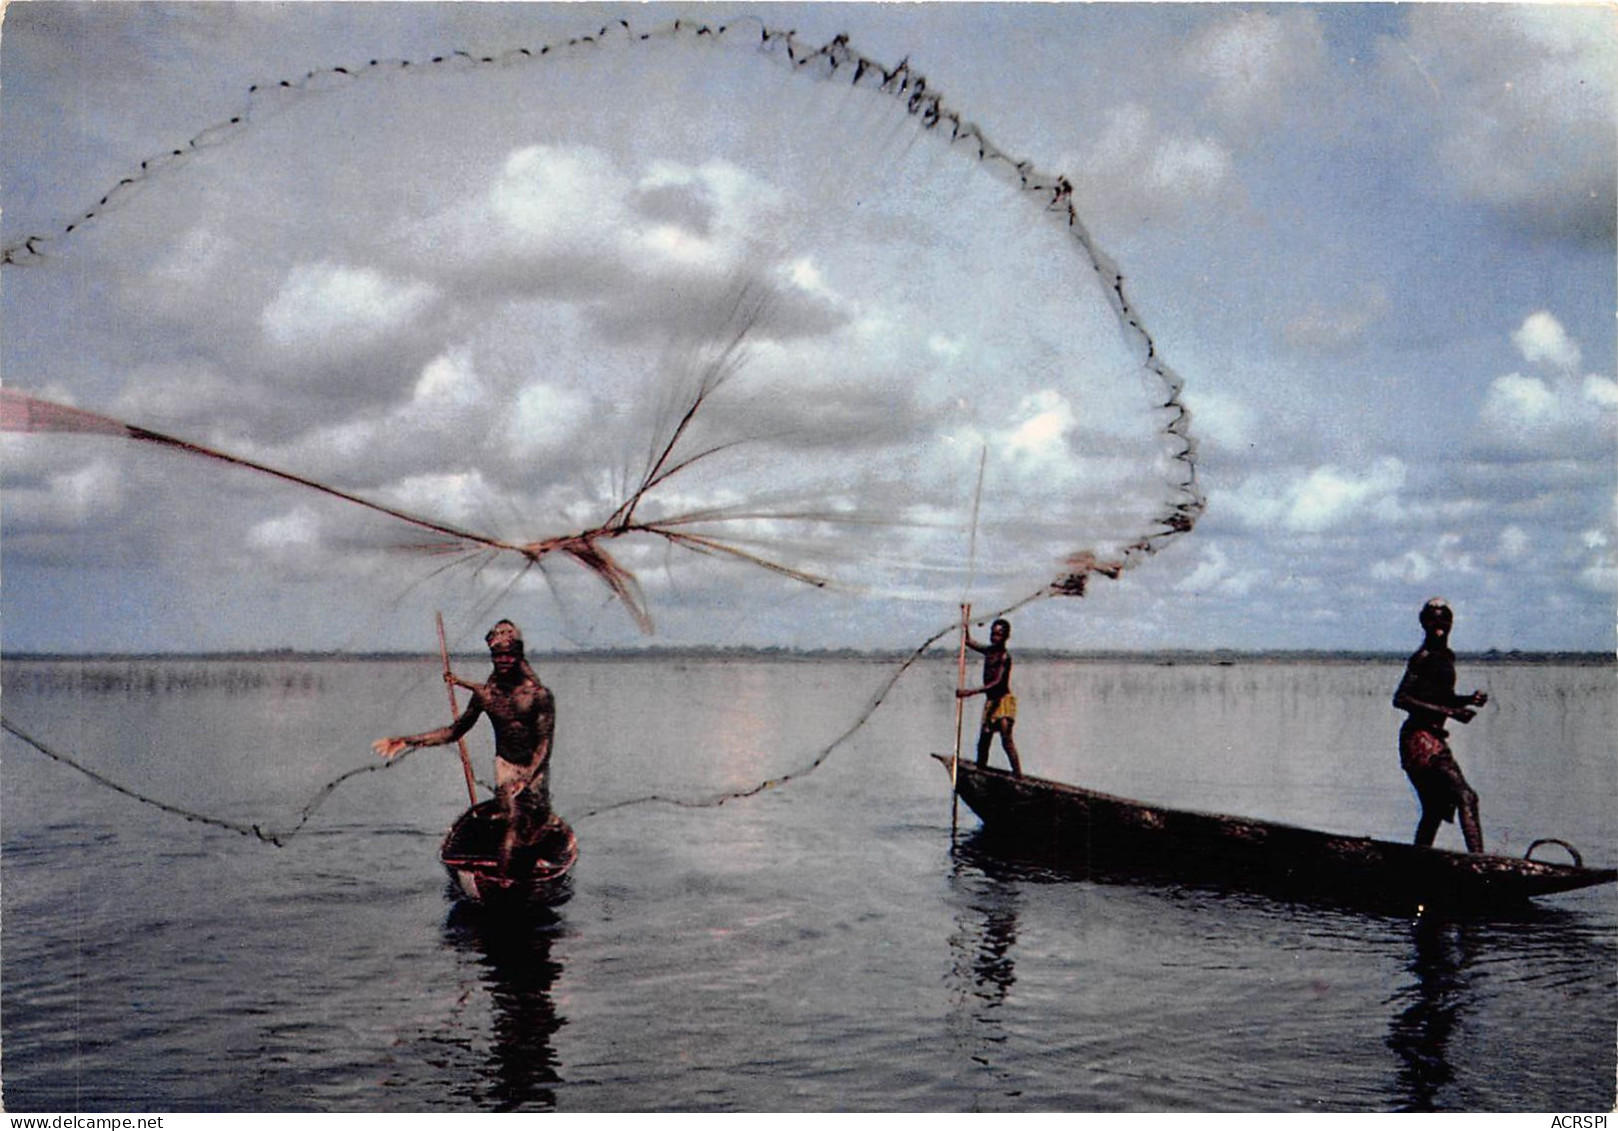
{"type": "Point", "coordinates": [523, 714]}
{"type": "Point", "coordinates": [1427, 693]}
{"type": "Point", "coordinates": [1000, 705]}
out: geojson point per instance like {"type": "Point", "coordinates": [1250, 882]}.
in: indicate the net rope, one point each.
{"type": "Point", "coordinates": [277, 838]}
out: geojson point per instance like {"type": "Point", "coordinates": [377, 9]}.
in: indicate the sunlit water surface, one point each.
{"type": "Point", "coordinates": [817, 947]}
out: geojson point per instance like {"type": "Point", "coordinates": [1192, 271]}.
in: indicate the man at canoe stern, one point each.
{"type": "Point", "coordinates": [523, 713]}
{"type": "Point", "coordinates": [1427, 695]}
{"type": "Point", "coordinates": [999, 704]}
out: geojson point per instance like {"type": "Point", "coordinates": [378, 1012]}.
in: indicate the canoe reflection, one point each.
{"type": "Point", "coordinates": [519, 973]}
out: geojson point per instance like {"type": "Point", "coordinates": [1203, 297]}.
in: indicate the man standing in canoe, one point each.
{"type": "Point", "coordinates": [523, 714]}
{"type": "Point", "coordinates": [1427, 694]}
{"type": "Point", "coordinates": [999, 705]}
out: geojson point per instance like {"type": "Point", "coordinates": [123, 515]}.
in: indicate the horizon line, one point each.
{"type": "Point", "coordinates": [792, 652]}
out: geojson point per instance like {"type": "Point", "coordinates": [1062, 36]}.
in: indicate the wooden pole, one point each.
{"type": "Point", "coordinates": [960, 714]}
{"type": "Point", "coordinates": [455, 713]}
{"type": "Point", "coordinates": [960, 660]}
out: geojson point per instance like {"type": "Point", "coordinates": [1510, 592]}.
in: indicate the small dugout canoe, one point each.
{"type": "Point", "coordinates": [1081, 827]}
{"type": "Point", "coordinates": [541, 877]}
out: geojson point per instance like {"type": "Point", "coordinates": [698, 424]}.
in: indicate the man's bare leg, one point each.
{"type": "Point", "coordinates": [1010, 744]}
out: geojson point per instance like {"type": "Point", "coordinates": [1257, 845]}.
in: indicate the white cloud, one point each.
{"type": "Point", "coordinates": [1221, 420]}
{"type": "Point", "coordinates": [548, 194]}
{"type": "Point", "coordinates": [1454, 556]}
{"type": "Point", "coordinates": [1322, 499]}
{"type": "Point", "coordinates": [1041, 433]}
{"type": "Point", "coordinates": [1559, 415]}
{"type": "Point", "coordinates": [1137, 165]}
{"type": "Point", "coordinates": [321, 303]}
{"type": "Point", "coordinates": [457, 496]}
{"type": "Point", "coordinates": [1514, 543]}
{"type": "Point", "coordinates": [67, 498]}
{"type": "Point", "coordinates": [546, 219]}
{"type": "Point", "coordinates": [1542, 338]}
{"type": "Point", "coordinates": [1600, 570]}
{"type": "Point", "coordinates": [1410, 567]}
{"type": "Point", "coordinates": [448, 381]}
{"type": "Point", "coordinates": [1516, 403]}
{"type": "Point", "coordinates": [569, 219]}
{"type": "Point", "coordinates": [295, 545]}
{"type": "Point", "coordinates": [1188, 166]}
{"type": "Point", "coordinates": [1550, 418]}
{"type": "Point", "coordinates": [1593, 554]}
{"type": "Point", "coordinates": [545, 418]}
{"type": "Point", "coordinates": [1214, 573]}
{"type": "Point", "coordinates": [1329, 496]}
{"type": "Point", "coordinates": [1600, 391]}
{"type": "Point", "coordinates": [1447, 556]}
{"type": "Point", "coordinates": [296, 530]}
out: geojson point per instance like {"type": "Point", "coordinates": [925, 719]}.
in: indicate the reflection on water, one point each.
{"type": "Point", "coordinates": [519, 974]}
{"type": "Point", "coordinates": [1420, 1033]}
{"type": "Point", "coordinates": [986, 928]}
{"type": "Point", "coordinates": [982, 970]}
{"type": "Point", "coordinates": [1471, 1018]}
{"type": "Point", "coordinates": [1514, 978]}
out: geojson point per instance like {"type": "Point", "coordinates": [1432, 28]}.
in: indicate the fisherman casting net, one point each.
{"type": "Point", "coordinates": [700, 333]}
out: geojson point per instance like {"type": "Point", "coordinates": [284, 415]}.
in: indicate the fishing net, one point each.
{"type": "Point", "coordinates": [630, 331]}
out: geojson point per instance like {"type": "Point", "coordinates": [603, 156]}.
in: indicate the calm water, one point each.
{"type": "Point", "coordinates": [818, 947]}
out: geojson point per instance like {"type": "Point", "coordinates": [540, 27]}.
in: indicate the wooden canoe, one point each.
{"type": "Point", "coordinates": [541, 875]}
{"type": "Point", "coordinates": [1074, 826]}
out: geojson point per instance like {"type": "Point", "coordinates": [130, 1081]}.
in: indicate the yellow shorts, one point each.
{"type": "Point", "coordinates": [1005, 708]}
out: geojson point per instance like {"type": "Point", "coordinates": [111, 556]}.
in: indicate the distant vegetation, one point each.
{"type": "Point", "coordinates": [1166, 656]}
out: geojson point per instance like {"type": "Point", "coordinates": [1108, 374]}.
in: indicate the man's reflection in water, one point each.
{"type": "Point", "coordinates": [519, 973]}
{"type": "Point", "coordinates": [992, 967]}
{"type": "Point", "coordinates": [982, 971]}
{"type": "Point", "coordinates": [1420, 1033]}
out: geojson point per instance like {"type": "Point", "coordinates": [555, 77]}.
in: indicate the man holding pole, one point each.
{"type": "Point", "coordinates": [523, 714]}
{"type": "Point", "coordinates": [1000, 705]}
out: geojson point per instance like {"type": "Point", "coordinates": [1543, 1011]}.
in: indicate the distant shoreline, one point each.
{"type": "Point", "coordinates": [1165, 657]}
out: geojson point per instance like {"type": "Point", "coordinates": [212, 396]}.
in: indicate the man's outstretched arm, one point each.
{"type": "Point", "coordinates": [393, 747]}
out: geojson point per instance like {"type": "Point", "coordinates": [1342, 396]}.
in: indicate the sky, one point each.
{"type": "Point", "coordinates": [1374, 242]}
